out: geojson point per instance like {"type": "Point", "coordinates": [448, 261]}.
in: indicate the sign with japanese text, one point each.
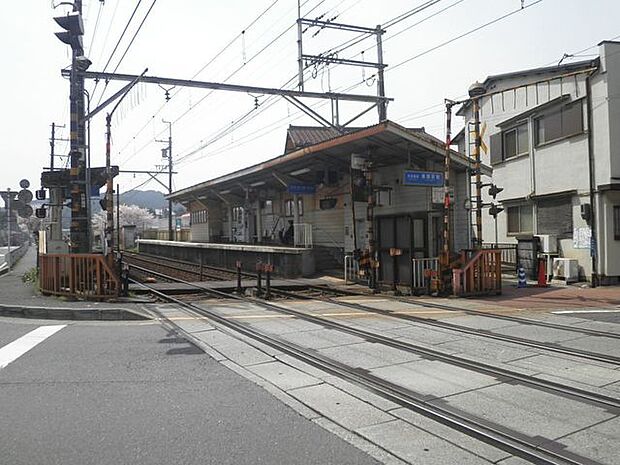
{"type": "Point", "coordinates": [301, 189]}
{"type": "Point", "coordinates": [422, 178]}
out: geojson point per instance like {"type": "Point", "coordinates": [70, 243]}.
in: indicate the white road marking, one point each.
{"type": "Point", "coordinates": [567, 312]}
{"type": "Point", "coordinates": [19, 347]}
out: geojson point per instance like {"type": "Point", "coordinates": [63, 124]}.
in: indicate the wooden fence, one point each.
{"type": "Point", "coordinates": [86, 276]}
{"type": "Point", "coordinates": [481, 273]}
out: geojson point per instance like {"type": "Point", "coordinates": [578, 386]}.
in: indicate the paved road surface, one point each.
{"type": "Point", "coordinates": [131, 393]}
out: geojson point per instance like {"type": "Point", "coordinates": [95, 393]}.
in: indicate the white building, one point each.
{"type": "Point", "coordinates": [553, 138]}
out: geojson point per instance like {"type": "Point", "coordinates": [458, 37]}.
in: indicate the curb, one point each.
{"type": "Point", "coordinates": [59, 313]}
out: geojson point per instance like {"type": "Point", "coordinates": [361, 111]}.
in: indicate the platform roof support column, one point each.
{"type": "Point", "coordinates": [296, 208]}
{"type": "Point", "coordinates": [259, 222]}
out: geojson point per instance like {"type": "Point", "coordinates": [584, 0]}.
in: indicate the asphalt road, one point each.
{"type": "Point", "coordinates": [133, 393]}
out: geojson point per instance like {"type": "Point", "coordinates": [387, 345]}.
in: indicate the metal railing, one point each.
{"type": "Point", "coordinates": [481, 273]}
{"type": "Point", "coordinates": [422, 272]}
{"type": "Point", "coordinates": [302, 235]}
{"type": "Point", "coordinates": [508, 253]}
{"type": "Point", "coordinates": [351, 269]}
{"type": "Point", "coordinates": [87, 276]}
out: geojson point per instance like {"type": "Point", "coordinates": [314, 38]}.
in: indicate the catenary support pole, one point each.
{"type": "Point", "coordinates": [477, 172]}
{"type": "Point", "coordinates": [444, 261]}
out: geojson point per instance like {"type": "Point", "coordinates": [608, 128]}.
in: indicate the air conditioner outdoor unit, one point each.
{"type": "Point", "coordinates": [548, 243]}
{"type": "Point", "coordinates": [566, 268]}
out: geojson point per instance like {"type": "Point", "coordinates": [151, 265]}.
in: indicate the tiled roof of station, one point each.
{"type": "Point", "coordinates": [393, 144]}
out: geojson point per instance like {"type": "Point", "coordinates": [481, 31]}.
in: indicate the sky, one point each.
{"type": "Point", "coordinates": [254, 42]}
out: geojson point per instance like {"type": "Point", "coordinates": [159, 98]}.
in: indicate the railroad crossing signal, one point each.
{"type": "Point", "coordinates": [494, 190]}
{"type": "Point", "coordinates": [495, 210]}
{"type": "Point", "coordinates": [483, 146]}
{"type": "Point", "coordinates": [24, 197]}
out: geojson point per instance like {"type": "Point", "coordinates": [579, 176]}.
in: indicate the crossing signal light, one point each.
{"type": "Point", "coordinates": [494, 190]}
{"type": "Point", "coordinates": [495, 210]}
{"type": "Point", "coordinates": [73, 30]}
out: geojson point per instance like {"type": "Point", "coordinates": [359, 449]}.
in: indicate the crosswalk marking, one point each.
{"type": "Point", "coordinates": [19, 347]}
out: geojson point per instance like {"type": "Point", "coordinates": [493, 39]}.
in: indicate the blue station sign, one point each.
{"type": "Point", "coordinates": [302, 189]}
{"type": "Point", "coordinates": [422, 178]}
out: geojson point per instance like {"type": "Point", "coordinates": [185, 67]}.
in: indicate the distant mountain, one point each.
{"type": "Point", "coordinates": [153, 200]}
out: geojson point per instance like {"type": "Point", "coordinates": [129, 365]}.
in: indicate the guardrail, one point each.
{"type": "Point", "coordinates": [87, 276]}
{"type": "Point", "coordinates": [422, 272]}
{"type": "Point", "coordinates": [481, 274]}
{"type": "Point", "coordinates": [351, 269]}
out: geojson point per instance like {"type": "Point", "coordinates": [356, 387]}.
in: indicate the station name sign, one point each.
{"type": "Point", "coordinates": [301, 189]}
{"type": "Point", "coordinates": [422, 178]}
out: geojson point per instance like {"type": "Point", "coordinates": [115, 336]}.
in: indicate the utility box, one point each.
{"type": "Point", "coordinates": [566, 269]}
{"type": "Point", "coordinates": [528, 248]}
{"type": "Point", "coordinates": [548, 243]}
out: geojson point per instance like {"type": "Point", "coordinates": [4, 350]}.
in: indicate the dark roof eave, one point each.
{"type": "Point", "coordinates": [430, 143]}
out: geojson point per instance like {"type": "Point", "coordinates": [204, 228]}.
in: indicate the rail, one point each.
{"type": "Point", "coordinates": [302, 235]}
{"type": "Point", "coordinates": [422, 272]}
{"type": "Point", "coordinates": [481, 273]}
{"type": "Point", "coordinates": [87, 276]}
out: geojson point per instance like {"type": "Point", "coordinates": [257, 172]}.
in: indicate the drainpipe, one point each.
{"type": "Point", "coordinates": [592, 178]}
{"type": "Point", "coordinates": [532, 142]}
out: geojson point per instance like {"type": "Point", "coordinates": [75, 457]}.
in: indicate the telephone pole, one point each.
{"type": "Point", "coordinates": [167, 153]}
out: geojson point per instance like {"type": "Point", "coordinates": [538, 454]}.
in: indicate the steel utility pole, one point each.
{"type": "Point", "coordinates": [475, 91]}
{"type": "Point", "coordinates": [9, 195]}
{"type": "Point", "coordinates": [444, 262]}
{"type": "Point", "coordinates": [109, 195]}
{"type": "Point", "coordinates": [170, 230]}
{"type": "Point", "coordinates": [80, 223]}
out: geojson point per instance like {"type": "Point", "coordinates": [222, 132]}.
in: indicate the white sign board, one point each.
{"type": "Point", "coordinates": [582, 238]}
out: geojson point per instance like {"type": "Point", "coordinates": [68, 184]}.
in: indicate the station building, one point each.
{"type": "Point", "coordinates": [307, 209]}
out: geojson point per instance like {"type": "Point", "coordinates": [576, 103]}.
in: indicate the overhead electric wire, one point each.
{"type": "Point", "coordinates": [393, 21]}
{"type": "Point", "coordinates": [465, 34]}
{"type": "Point", "coordinates": [107, 34]}
{"type": "Point", "coordinates": [134, 36]}
{"type": "Point", "coordinates": [205, 66]}
{"type": "Point", "coordinates": [454, 39]}
{"type": "Point", "coordinates": [94, 34]}
{"type": "Point", "coordinates": [225, 80]}
{"type": "Point", "coordinates": [118, 42]}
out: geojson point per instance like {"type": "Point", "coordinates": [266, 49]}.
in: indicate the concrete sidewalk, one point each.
{"type": "Point", "coordinates": [23, 299]}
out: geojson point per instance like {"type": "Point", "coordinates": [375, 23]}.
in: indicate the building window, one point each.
{"type": "Point", "coordinates": [383, 197]}
{"type": "Point", "coordinates": [198, 217]}
{"type": "Point", "coordinates": [617, 223]}
{"type": "Point", "coordinates": [564, 122]}
{"type": "Point", "coordinates": [328, 203]}
{"type": "Point", "coordinates": [519, 219]}
{"type": "Point", "coordinates": [516, 141]}
{"type": "Point", "coordinates": [237, 214]}
{"type": "Point", "coordinates": [267, 206]}
{"type": "Point", "coordinates": [288, 207]}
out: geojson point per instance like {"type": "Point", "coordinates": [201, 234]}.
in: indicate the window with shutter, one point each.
{"type": "Point", "coordinates": [563, 122]}
{"type": "Point", "coordinates": [555, 216]}
{"type": "Point", "coordinates": [496, 144]}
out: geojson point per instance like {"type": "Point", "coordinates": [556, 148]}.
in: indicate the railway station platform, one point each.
{"type": "Point", "coordinates": [288, 262]}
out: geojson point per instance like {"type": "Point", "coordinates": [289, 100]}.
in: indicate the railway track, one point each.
{"type": "Point", "coordinates": [583, 395]}
{"type": "Point", "coordinates": [549, 347]}
{"type": "Point", "coordinates": [187, 270]}
{"type": "Point", "coordinates": [498, 436]}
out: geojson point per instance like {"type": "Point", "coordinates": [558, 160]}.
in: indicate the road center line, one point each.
{"type": "Point", "coordinates": [19, 347]}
